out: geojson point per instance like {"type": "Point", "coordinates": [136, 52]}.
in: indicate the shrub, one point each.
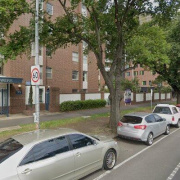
{"type": "Point", "coordinates": [77, 105]}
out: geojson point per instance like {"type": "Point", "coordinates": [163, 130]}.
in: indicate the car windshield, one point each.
{"type": "Point", "coordinates": [8, 148]}
{"type": "Point", "coordinates": [131, 119]}
{"type": "Point", "coordinates": [162, 110]}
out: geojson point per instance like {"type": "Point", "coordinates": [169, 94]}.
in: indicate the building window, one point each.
{"type": "Point", "coordinates": [153, 72]}
{"type": "Point", "coordinates": [49, 73]}
{"type": "Point", "coordinates": [150, 83]}
{"type": "Point", "coordinates": [40, 95]}
{"type": "Point", "coordinates": [128, 73]}
{"type": "Point", "coordinates": [141, 72]}
{"type": "Point", "coordinates": [85, 76]}
{"type": "Point", "coordinates": [75, 57]}
{"type": "Point", "coordinates": [75, 75]}
{"type": "Point", "coordinates": [85, 59]}
{"type": "Point", "coordinates": [144, 83]}
{"type": "Point", "coordinates": [84, 10]}
{"type": "Point", "coordinates": [74, 90]}
{"type": "Point", "coordinates": [135, 73]}
{"type": "Point", "coordinates": [49, 9]}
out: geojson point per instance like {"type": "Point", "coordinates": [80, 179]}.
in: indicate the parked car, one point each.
{"type": "Point", "coordinates": [142, 127]}
{"type": "Point", "coordinates": [55, 154]}
{"type": "Point", "coordinates": [178, 107]}
{"type": "Point", "coordinates": [170, 112]}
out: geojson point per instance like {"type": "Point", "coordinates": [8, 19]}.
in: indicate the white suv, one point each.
{"type": "Point", "coordinates": [170, 112]}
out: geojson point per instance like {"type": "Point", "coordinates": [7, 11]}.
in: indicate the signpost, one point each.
{"type": "Point", "coordinates": [35, 70]}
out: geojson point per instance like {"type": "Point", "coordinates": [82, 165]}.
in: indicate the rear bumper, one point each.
{"type": "Point", "coordinates": [141, 135]}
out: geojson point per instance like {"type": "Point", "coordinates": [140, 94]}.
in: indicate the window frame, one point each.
{"type": "Point", "coordinates": [75, 56]}
{"type": "Point", "coordinates": [48, 72]}
{"type": "Point", "coordinates": [77, 75]}
{"type": "Point", "coordinates": [52, 9]}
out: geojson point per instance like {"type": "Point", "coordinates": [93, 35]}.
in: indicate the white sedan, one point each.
{"type": "Point", "coordinates": [55, 154]}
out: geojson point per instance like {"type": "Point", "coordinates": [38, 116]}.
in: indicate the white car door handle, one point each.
{"type": "Point", "coordinates": [26, 171]}
{"type": "Point", "coordinates": [78, 154]}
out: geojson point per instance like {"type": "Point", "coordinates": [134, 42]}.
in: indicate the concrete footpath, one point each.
{"type": "Point", "coordinates": [8, 123]}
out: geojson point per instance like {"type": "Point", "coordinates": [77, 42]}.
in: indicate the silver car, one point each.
{"type": "Point", "coordinates": [54, 154]}
{"type": "Point", "coordinates": [142, 127]}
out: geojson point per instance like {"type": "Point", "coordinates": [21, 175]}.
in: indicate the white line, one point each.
{"type": "Point", "coordinates": [174, 172]}
{"type": "Point", "coordinates": [135, 155]}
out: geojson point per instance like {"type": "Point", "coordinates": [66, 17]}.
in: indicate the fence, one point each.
{"type": "Point", "coordinates": [135, 97]}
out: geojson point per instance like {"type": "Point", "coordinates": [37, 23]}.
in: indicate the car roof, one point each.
{"type": "Point", "coordinates": [41, 135]}
{"type": "Point", "coordinates": [138, 114]}
{"type": "Point", "coordinates": [165, 105]}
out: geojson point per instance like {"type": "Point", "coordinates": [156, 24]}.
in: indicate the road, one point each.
{"type": "Point", "coordinates": [161, 161]}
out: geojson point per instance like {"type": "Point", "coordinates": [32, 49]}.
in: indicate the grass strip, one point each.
{"type": "Point", "coordinates": [63, 122]}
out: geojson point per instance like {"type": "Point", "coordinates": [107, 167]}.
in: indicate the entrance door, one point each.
{"type": "Point", "coordinates": [47, 99]}
{"type": "Point", "coordinates": [3, 101]}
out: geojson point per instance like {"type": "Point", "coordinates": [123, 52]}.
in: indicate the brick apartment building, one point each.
{"type": "Point", "coordinates": [144, 76]}
{"type": "Point", "coordinates": [66, 71]}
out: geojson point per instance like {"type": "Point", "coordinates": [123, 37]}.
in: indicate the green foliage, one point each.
{"type": "Point", "coordinates": [77, 105]}
{"type": "Point", "coordinates": [10, 10]}
{"type": "Point", "coordinates": [166, 89]}
{"type": "Point", "coordinates": [133, 85]}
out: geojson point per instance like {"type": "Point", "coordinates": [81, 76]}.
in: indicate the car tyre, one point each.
{"type": "Point", "coordinates": [109, 159]}
{"type": "Point", "coordinates": [167, 130]}
{"type": "Point", "coordinates": [178, 124]}
{"type": "Point", "coordinates": [149, 141]}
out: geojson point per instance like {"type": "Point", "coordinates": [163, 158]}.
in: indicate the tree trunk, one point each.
{"type": "Point", "coordinates": [178, 97]}
{"type": "Point", "coordinates": [114, 111]}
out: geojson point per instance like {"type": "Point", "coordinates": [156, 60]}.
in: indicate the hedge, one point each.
{"type": "Point", "coordinates": [77, 105]}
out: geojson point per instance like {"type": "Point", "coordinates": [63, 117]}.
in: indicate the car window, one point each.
{"type": "Point", "coordinates": [131, 119]}
{"type": "Point", "coordinates": [174, 110]}
{"type": "Point", "coordinates": [46, 150]}
{"type": "Point", "coordinates": [158, 118]}
{"type": "Point", "coordinates": [79, 141]}
{"type": "Point", "coordinates": [150, 119]}
{"type": "Point", "coordinates": [9, 148]}
{"type": "Point", "coordinates": [162, 110]}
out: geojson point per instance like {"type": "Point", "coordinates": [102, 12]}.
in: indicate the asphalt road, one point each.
{"type": "Point", "coordinates": [161, 161]}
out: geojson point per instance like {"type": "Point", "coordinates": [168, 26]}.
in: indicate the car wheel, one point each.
{"type": "Point", "coordinates": [109, 159]}
{"type": "Point", "coordinates": [149, 141]}
{"type": "Point", "coordinates": [178, 124]}
{"type": "Point", "coordinates": [167, 130]}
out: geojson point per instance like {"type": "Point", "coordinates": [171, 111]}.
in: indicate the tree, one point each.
{"type": "Point", "coordinates": [159, 49]}
{"type": "Point", "coordinates": [107, 29]}
{"type": "Point", "coordinates": [133, 85]}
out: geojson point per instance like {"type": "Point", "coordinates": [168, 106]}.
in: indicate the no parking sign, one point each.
{"type": "Point", "coordinates": [35, 75]}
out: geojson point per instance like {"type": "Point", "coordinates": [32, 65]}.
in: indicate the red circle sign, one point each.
{"type": "Point", "coordinates": [35, 75]}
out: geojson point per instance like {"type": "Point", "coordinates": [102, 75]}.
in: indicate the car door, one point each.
{"type": "Point", "coordinates": [152, 124]}
{"type": "Point", "coordinates": [41, 162]}
{"type": "Point", "coordinates": [162, 124]}
{"type": "Point", "coordinates": [88, 155]}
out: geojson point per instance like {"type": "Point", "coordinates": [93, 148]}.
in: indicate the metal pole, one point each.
{"type": "Point", "coordinates": [7, 100]}
{"type": "Point", "coordinates": [37, 63]}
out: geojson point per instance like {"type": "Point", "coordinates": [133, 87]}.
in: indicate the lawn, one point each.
{"type": "Point", "coordinates": [95, 124]}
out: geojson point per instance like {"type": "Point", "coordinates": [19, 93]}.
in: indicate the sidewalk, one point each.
{"type": "Point", "coordinates": [19, 119]}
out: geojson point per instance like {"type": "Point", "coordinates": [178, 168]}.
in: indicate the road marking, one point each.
{"type": "Point", "coordinates": [174, 172]}
{"type": "Point", "coordinates": [135, 155]}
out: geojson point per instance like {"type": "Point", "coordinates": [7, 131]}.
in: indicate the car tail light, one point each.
{"type": "Point", "coordinates": [120, 124]}
{"type": "Point", "coordinates": [140, 127]}
{"type": "Point", "coordinates": [173, 118]}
